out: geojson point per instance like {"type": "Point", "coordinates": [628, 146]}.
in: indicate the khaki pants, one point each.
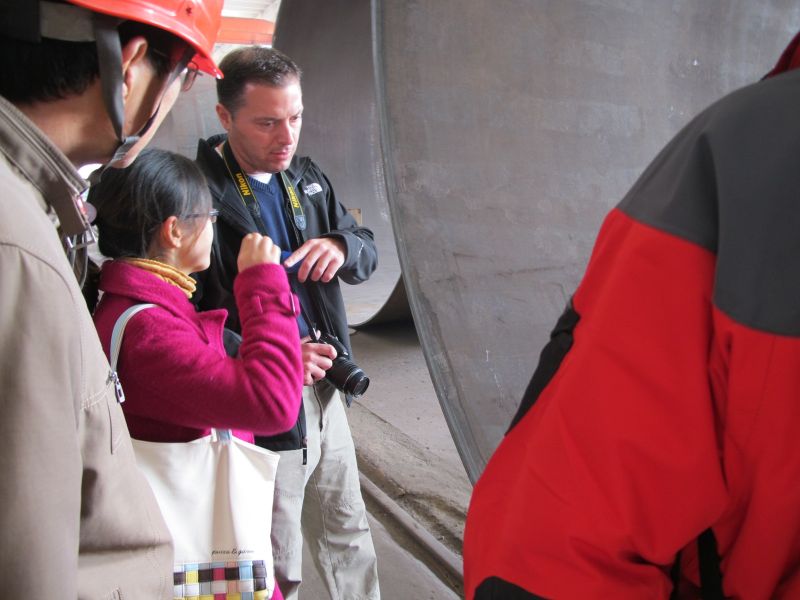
{"type": "Point", "coordinates": [325, 496]}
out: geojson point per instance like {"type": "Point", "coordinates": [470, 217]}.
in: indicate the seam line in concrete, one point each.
{"type": "Point", "coordinates": [447, 558]}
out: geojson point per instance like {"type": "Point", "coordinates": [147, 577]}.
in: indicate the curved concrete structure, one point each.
{"type": "Point", "coordinates": [332, 43]}
{"type": "Point", "coordinates": [514, 128]}
{"type": "Point", "coordinates": [492, 138]}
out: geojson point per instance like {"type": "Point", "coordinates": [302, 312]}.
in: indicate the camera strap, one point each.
{"type": "Point", "coordinates": [299, 223]}
{"type": "Point", "coordinates": [312, 288]}
{"type": "Point", "coordinates": [242, 186]}
{"type": "Point", "coordinates": [312, 326]}
{"type": "Point", "coordinates": [318, 302]}
{"type": "Point", "coordinates": [248, 197]}
{"type": "Point", "coordinates": [294, 203]}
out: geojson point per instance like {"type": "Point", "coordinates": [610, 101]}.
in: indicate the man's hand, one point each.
{"type": "Point", "coordinates": [317, 358]}
{"type": "Point", "coordinates": [321, 258]}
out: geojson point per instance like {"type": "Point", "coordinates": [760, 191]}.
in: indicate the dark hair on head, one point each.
{"type": "Point", "coordinates": [54, 69]}
{"type": "Point", "coordinates": [253, 64]}
{"type": "Point", "coordinates": [133, 202]}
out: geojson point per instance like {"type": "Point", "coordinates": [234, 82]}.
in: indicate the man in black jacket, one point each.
{"type": "Point", "coordinates": [259, 185]}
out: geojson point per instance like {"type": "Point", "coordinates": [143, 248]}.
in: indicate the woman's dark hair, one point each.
{"type": "Point", "coordinates": [253, 64]}
{"type": "Point", "coordinates": [55, 69]}
{"type": "Point", "coordinates": [132, 203]}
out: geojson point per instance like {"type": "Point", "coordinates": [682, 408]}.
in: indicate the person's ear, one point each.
{"type": "Point", "coordinates": [170, 234]}
{"type": "Point", "coordinates": [134, 64]}
{"type": "Point", "coordinates": [224, 116]}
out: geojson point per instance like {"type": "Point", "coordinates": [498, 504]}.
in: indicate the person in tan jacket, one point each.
{"type": "Point", "coordinates": [85, 81]}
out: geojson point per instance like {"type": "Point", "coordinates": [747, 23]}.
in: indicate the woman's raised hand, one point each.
{"type": "Point", "coordinates": [257, 249]}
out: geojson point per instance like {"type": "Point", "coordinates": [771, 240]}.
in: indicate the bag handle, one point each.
{"type": "Point", "coordinates": [221, 435]}
{"type": "Point", "coordinates": [116, 344]}
{"type": "Point", "coordinates": [119, 329]}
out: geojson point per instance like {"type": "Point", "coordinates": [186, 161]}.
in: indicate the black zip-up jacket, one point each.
{"type": "Point", "coordinates": [325, 217]}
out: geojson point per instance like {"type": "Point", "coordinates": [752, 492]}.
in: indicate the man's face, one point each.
{"type": "Point", "coordinates": [265, 130]}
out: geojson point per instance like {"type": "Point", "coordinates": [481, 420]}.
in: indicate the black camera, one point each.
{"type": "Point", "coordinates": [345, 375]}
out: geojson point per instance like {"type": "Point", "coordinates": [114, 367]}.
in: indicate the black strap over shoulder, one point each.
{"type": "Point", "coordinates": [709, 567]}
{"type": "Point", "coordinates": [248, 197]}
{"type": "Point", "coordinates": [710, 571]}
{"type": "Point", "coordinates": [298, 216]}
{"type": "Point", "coordinates": [239, 178]}
{"type": "Point", "coordinates": [675, 576]}
{"type": "Point", "coordinates": [494, 588]}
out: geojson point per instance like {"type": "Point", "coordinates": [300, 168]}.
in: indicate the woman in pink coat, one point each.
{"type": "Point", "coordinates": [155, 220]}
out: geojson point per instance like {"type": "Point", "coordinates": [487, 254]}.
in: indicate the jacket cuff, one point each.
{"type": "Point", "coordinates": [261, 288]}
{"type": "Point", "coordinates": [352, 247]}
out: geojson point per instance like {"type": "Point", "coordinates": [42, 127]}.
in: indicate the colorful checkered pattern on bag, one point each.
{"type": "Point", "coordinates": [230, 580]}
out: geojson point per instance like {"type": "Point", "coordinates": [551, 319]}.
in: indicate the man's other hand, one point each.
{"type": "Point", "coordinates": [321, 258]}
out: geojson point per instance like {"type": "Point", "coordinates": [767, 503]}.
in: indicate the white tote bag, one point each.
{"type": "Point", "coordinates": [216, 497]}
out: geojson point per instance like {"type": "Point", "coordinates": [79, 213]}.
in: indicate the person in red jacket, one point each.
{"type": "Point", "coordinates": [155, 221]}
{"type": "Point", "coordinates": [655, 452]}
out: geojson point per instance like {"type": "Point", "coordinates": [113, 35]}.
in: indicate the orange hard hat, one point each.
{"type": "Point", "coordinates": [197, 22]}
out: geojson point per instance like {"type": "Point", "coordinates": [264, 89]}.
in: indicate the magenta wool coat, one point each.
{"type": "Point", "coordinates": [177, 378]}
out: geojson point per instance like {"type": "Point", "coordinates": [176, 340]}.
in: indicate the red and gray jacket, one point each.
{"type": "Point", "coordinates": [666, 407]}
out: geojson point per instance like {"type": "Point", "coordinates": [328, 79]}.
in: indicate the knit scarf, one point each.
{"type": "Point", "coordinates": [166, 273]}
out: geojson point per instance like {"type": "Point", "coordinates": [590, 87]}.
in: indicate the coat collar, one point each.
{"type": "Point", "coordinates": [44, 166]}
{"type": "Point", "coordinates": [140, 286]}
{"type": "Point", "coordinates": [226, 198]}
{"type": "Point", "coordinates": [208, 158]}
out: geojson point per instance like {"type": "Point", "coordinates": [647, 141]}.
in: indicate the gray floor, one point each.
{"type": "Point", "coordinates": [404, 447]}
{"type": "Point", "coordinates": [401, 436]}
{"type": "Point", "coordinates": [401, 574]}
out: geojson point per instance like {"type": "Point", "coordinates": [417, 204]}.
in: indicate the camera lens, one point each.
{"type": "Point", "coordinates": [357, 383]}
{"type": "Point", "coordinates": [344, 374]}
{"type": "Point", "coordinates": [348, 377]}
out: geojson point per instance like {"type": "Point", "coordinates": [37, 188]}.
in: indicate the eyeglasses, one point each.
{"type": "Point", "coordinates": [189, 74]}
{"type": "Point", "coordinates": [210, 215]}
{"type": "Point", "coordinates": [183, 66]}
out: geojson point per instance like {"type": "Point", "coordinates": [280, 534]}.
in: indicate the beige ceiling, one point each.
{"type": "Point", "coordinates": [246, 9]}
{"type": "Point", "coordinates": [251, 9]}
